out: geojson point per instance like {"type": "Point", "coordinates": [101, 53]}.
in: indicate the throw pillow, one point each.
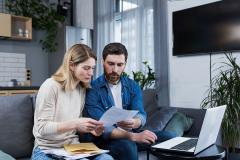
{"type": "Point", "coordinates": [16, 123]}
{"type": "Point", "coordinates": [5, 156]}
{"type": "Point", "coordinates": [158, 120]}
{"type": "Point", "coordinates": [179, 124]}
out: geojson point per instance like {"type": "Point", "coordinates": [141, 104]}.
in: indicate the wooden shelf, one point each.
{"type": "Point", "coordinates": [14, 92]}
{"type": "Point", "coordinates": [16, 27]}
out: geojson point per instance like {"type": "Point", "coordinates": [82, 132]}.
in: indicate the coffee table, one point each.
{"type": "Point", "coordinates": [213, 152]}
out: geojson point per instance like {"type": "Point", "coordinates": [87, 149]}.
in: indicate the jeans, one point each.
{"type": "Point", "coordinates": [123, 149]}
{"type": "Point", "coordinates": [39, 155]}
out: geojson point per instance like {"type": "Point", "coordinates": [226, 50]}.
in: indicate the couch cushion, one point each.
{"type": "Point", "coordinates": [159, 118]}
{"type": "Point", "coordinates": [150, 100]}
{"type": "Point", "coordinates": [16, 123]}
{"type": "Point", "coordinates": [5, 156]}
{"type": "Point", "coordinates": [179, 124]}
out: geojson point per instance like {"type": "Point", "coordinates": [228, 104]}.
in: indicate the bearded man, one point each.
{"type": "Point", "coordinates": [112, 89]}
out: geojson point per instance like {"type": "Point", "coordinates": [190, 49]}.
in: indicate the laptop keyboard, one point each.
{"type": "Point", "coordinates": [186, 145]}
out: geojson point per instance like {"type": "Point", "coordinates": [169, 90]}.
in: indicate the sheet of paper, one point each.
{"type": "Point", "coordinates": [62, 153]}
{"type": "Point", "coordinates": [114, 115]}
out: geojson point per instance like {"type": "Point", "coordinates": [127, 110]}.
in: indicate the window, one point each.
{"type": "Point", "coordinates": [133, 26]}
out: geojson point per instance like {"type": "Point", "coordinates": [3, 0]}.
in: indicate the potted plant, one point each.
{"type": "Point", "coordinates": [225, 89]}
{"type": "Point", "coordinates": [145, 78]}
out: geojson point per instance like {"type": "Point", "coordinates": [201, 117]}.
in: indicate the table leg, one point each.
{"type": "Point", "coordinates": [147, 154]}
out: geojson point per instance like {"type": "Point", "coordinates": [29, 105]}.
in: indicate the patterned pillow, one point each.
{"type": "Point", "coordinates": [5, 156]}
{"type": "Point", "coordinates": [159, 118]}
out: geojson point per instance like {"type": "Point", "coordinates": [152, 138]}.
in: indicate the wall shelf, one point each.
{"type": "Point", "coordinates": [8, 91]}
{"type": "Point", "coordinates": [15, 27]}
{"type": "Point", "coordinates": [14, 92]}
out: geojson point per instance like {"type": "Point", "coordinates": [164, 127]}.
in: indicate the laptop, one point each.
{"type": "Point", "coordinates": [207, 137]}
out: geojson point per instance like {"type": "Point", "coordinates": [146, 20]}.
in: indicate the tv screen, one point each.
{"type": "Point", "coordinates": [210, 28]}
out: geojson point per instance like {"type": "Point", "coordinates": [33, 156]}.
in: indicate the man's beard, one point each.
{"type": "Point", "coordinates": [112, 77]}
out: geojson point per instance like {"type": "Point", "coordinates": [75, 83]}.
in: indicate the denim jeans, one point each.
{"type": "Point", "coordinates": [123, 149]}
{"type": "Point", "coordinates": [39, 155]}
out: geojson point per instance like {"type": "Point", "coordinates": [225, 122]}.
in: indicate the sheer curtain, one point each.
{"type": "Point", "coordinates": [137, 33]}
{"type": "Point", "coordinates": [133, 27]}
{"type": "Point", "coordinates": [103, 29]}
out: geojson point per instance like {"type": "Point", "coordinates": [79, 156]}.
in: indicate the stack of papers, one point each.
{"type": "Point", "coordinates": [75, 151]}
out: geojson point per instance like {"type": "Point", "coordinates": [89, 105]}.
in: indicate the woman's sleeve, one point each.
{"type": "Point", "coordinates": [45, 109]}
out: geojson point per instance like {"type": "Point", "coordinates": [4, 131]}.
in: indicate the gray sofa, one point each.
{"type": "Point", "coordinates": [16, 122]}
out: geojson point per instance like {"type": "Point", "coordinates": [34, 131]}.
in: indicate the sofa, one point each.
{"type": "Point", "coordinates": [16, 122]}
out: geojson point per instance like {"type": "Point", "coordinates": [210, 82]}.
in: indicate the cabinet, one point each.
{"type": "Point", "coordinates": [15, 27]}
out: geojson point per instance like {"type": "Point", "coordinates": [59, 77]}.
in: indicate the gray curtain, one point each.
{"type": "Point", "coordinates": [161, 48]}
{"type": "Point", "coordinates": [103, 29]}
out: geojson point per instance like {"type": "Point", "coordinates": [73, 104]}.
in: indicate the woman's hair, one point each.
{"type": "Point", "coordinates": [78, 53]}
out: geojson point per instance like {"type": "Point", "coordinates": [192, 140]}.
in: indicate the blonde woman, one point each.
{"type": "Point", "coordinates": [59, 105]}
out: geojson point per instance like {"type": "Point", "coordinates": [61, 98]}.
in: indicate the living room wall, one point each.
{"type": "Point", "coordinates": [36, 59]}
{"type": "Point", "coordinates": [189, 76]}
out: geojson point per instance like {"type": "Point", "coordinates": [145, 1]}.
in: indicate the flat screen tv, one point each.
{"type": "Point", "coordinates": [211, 28]}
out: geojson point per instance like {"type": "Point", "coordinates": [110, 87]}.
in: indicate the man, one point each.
{"type": "Point", "coordinates": [114, 90]}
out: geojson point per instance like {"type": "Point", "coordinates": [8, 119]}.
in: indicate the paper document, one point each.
{"type": "Point", "coordinates": [114, 115]}
{"type": "Point", "coordinates": [61, 153]}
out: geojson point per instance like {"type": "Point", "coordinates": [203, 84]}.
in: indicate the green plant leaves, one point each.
{"type": "Point", "coordinates": [146, 78]}
{"type": "Point", "coordinates": [43, 17]}
{"type": "Point", "coordinates": [226, 90]}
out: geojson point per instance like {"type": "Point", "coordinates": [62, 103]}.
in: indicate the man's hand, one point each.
{"type": "Point", "coordinates": [146, 137]}
{"type": "Point", "coordinates": [129, 124]}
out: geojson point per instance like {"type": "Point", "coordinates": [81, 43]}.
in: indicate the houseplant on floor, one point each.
{"type": "Point", "coordinates": [225, 89]}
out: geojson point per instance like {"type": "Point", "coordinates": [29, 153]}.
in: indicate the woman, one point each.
{"type": "Point", "coordinates": [60, 101]}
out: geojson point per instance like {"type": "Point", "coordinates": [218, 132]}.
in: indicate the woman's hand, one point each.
{"type": "Point", "coordinates": [146, 136]}
{"type": "Point", "coordinates": [87, 125]}
{"type": "Point", "coordinates": [98, 131]}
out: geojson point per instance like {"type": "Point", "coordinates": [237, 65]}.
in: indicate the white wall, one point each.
{"type": "Point", "coordinates": [189, 76]}
{"type": "Point", "coordinates": [36, 58]}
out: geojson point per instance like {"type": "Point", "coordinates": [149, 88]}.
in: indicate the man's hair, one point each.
{"type": "Point", "coordinates": [114, 49]}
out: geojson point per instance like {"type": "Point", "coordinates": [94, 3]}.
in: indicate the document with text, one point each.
{"type": "Point", "coordinates": [114, 115]}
